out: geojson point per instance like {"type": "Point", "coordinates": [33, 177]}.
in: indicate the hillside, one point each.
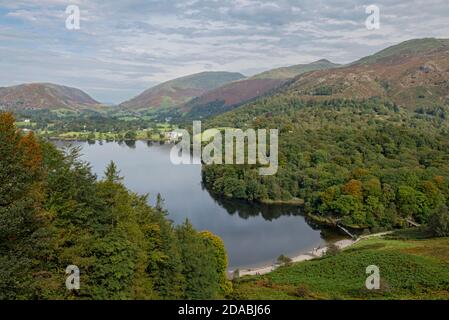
{"type": "Point", "coordinates": [55, 212]}
{"type": "Point", "coordinates": [293, 71]}
{"type": "Point", "coordinates": [412, 74]}
{"type": "Point", "coordinates": [343, 276]}
{"type": "Point", "coordinates": [44, 96]}
{"type": "Point", "coordinates": [366, 163]}
{"type": "Point", "coordinates": [178, 91]}
{"type": "Point", "coordinates": [236, 93]}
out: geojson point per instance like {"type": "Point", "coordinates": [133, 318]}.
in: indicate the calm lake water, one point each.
{"type": "Point", "coordinates": [253, 234]}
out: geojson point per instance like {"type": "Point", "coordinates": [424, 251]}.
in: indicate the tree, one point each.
{"type": "Point", "coordinates": [199, 264]}
{"type": "Point", "coordinates": [413, 203]}
{"type": "Point", "coordinates": [284, 260]}
{"type": "Point", "coordinates": [112, 174]}
{"type": "Point", "coordinates": [221, 260]}
{"type": "Point", "coordinates": [21, 196]}
{"type": "Point", "coordinates": [91, 137]}
{"type": "Point", "coordinates": [332, 250]}
{"type": "Point", "coordinates": [130, 135]}
{"type": "Point", "coordinates": [159, 202]}
{"type": "Point", "coordinates": [54, 213]}
{"type": "Point", "coordinates": [353, 188]}
{"type": "Point", "coordinates": [439, 222]}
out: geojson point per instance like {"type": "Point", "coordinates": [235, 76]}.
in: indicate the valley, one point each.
{"type": "Point", "coordinates": [362, 146]}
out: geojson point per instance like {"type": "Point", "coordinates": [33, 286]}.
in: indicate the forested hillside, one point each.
{"type": "Point", "coordinates": [367, 162]}
{"type": "Point", "coordinates": [55, 213]}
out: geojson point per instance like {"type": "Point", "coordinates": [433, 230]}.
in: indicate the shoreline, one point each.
{"type": "Point", "coordinates": [310, 255]}
{"type": "Point", "coordinates": [106, 140]}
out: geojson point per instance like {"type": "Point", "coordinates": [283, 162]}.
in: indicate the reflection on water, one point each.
{"type": "Point", "coordinates": [247, 210]}
{"type": "Point", "coordinates": [253, 234]}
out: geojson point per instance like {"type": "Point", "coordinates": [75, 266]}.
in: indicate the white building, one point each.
{"type": "Point", "coordinates": [173, 135]}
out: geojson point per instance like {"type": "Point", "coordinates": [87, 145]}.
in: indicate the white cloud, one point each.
{"type": "Point", "coordinates": [127, 46]}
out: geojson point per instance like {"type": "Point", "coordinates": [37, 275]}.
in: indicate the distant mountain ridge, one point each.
{"type": "Point", "coordinates": [295, 70]}
{"type": "Point", "coordinates": [237, 93]}
{"type": "Point", "coordinates": [412, 74]}
{"type": "Point", "coordinates": [44, 96]}
{"type": "Point", "coordinates": [175, 92]}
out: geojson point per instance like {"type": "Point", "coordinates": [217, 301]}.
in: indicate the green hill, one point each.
{"type": "Point", "coordinates": [293, 71]}
{"type": "Point", "coordinates": [173, 93]}
{"type": "Point", "coordinates": [410, 47]}
{"type": "Point", "coordinates": [355, 143]}
{"type": "Point", "coordinates": [236, 93]}
{"type": "Point", "coordinates": [409, 269]}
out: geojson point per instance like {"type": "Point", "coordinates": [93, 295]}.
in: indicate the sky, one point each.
{"type": "Point", "coordinates": [124, 47]}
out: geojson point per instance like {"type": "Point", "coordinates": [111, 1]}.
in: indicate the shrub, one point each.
{"type": "Point", "coordinates": [439, 222]}
{"type": "Point", "coordinates": [332, 250]}
{"type": "Point", "coordinates": [302, 291]}
{"type": "Point", "coordinates": [282, 259]}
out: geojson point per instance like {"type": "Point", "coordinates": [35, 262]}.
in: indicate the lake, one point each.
{"type": "Point", "coordinates": [253, 234]}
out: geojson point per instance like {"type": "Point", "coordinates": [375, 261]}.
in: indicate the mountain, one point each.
{"type": "Point", "coordinates": [44, 96]}
{"type": "Point", "coordinates": [347, 149]}
{"type": "Point", "coordinates": [411, 74]}
{"type": "Point", "coordinates": [236, 93]}
{"type": "Point", "coordinates": [178, 91]}
{"type": "Point", "coordinates": [293, 71]}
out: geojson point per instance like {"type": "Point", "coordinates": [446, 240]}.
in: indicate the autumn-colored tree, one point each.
{"type": "Point", "coordinates": [353, 188]}
{"type": "Point", "coordinates": [21, 196]}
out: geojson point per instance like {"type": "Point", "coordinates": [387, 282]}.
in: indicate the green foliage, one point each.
{"type": "Point", "coordinates": [410, 269]}
{"type": "Point", "coordinates": [367, 162]}
{"type": "Point", "coordinates": [21, 216]}
{"type": "Point", "coordinates": [332, 250]}
{"type": "Point", "coordinates": [130, 135]}
{"type": "Point", "coordinates": [54, 213]}
{"type": "Point", "coordinates": [284, 260]}
{"type": "Point", "coordinates": [112, 174]}
{"type": "Point", "coordinates": [199, 264]}
{"type": "Point", "coordinates": [439, 222]}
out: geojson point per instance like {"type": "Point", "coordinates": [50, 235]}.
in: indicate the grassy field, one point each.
{"type": "Point", "coordinates": [410, 268]}
{"type": "Point", "coordinates": [140, 134]}
{"type": "Point", "coordinates": [23, 124]}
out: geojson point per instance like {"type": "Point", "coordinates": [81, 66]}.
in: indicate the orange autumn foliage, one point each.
{"type": "Point", "coordinates": [26, 147]}
{"type": "Point", "coordinates": [32, 152]}
{"type": "Point", "coordinates": [353, 188]}
{"type": "Point", "coordinates": [7, 128]}
{"type": "Point", "coordinates": [439, 180]}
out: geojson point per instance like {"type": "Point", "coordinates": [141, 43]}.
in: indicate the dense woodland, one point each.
{"type": "Point", "coordinates": [369, 163]}
{"type": "Point", "coordinates": [54, 213]}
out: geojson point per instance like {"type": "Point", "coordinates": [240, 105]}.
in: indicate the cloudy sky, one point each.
{"type": "Point", "coordinates": [124, 47]}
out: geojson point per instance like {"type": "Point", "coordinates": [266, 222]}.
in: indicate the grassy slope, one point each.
{"type": "Point", "coordinates": [177, 91]}
{"type": "Point", "coordinates": [236, 93]}
{"type": "Point", "coordinates": [410, 47]}
{"type": "Point", "coordinates": [412, 74]}
{"type": "Point", "coordinates": [293, 71]}
{"type": "Point", "coordinates": [409, 268]}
